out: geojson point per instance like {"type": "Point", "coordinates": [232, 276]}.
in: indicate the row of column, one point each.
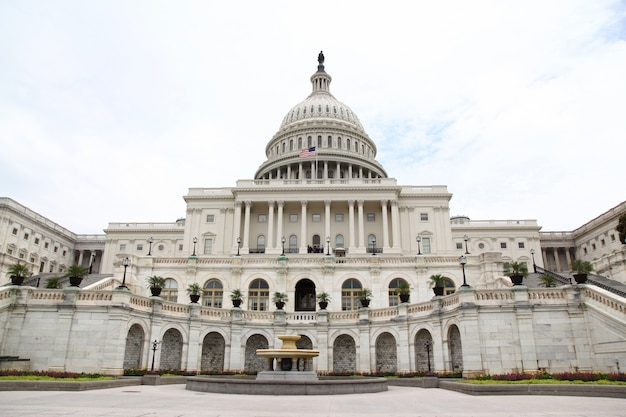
{"type": "Point", "coordinates": [553, 253]}
{"type": "Point", "coordinates": [274, 240]}
{"type": "Point", "coordinates": [290, 174]}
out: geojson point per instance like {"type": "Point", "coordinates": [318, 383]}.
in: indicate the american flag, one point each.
{"type": "Point", "coordinates": [305, 153]}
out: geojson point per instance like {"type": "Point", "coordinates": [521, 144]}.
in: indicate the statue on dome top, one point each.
{"type": "Point", "coordinates": [320, 57]}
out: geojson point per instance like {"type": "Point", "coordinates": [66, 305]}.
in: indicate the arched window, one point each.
{"type": "Point", "coordinates": [309, 141]}
{"type": "Point", "coordinates": [339, 142]}
{"type": "Point", "coordinates": [356, 146]}
{"type": "Point", "coordinates": [291, 144]}
{"type": "Point", "coordinates": [300, 143]}
{"type": "Point", "coordinates": [260, 244]}
{"type": "Point", "coordinates": [258, 295]}
{"type": "Point", "coordinates": [293, 244]}
{"type": "Point", "coordinates": [319, 141]}
{"type": "Point", "coordinates": [339, 241]}
{"type": "Point", "coordinates": [331, 173]}
{"type": "Point", "coordinates": [284, 147]}
{"type": "Point", "coordinates": [394, 298]}
{"type": "Point", "coordinates": [350, 294]}
{"type": "Point", "coordinates": [330, 142]}
{"type": "Point", "coordinates": [170, 290]}
{"type": "Point", "coordinates": [448, 287]}
{"type": "Point", "coordinates": [212, 293]}
{"type": "Point", "coordinates": [348, 144]}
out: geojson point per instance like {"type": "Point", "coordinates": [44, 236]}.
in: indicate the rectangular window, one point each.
{"type": "Point", "coordinates": [593, 246]}
{"type": "Point", "coordinates": [602, 242]}
{"type": "Point", "coordinates": [459, 245]}
{"type": "Point", "coordinates": [26, 236]}
{"type": "Point", "coordinates": [502, 245]}
{"type": "Point", "coordinates": [122, 246]}
{"type": "Point", "coordinates": [262, 218]}
{"type": "Point", "coordinates": [612, 238]}
{"type": "Point", "coordinates": [371, 217]}
{"type": "Point", "coordinates": [64, 253]}
{"type": "Point", "coordinates": [14, 231]}
{"type": "Point", "coordinates": [210, 218]}
{"type": "Point", "coordinates": [585, 251]}
{"type": "Point", "coordinates": [56, 249]}
{"type": "Point", "coordinates": [520, 245]}
{"type": "Point", "coordinates": [139, 247]}
{"type": "Point", "coordinates": [208, 246]}
{"type": "Point", "coordinates": [424, 217]}
{"type": "Point", "coordinates": [180, 246]}
{"type": "Point", "coordinates": [36, 241]}
{"type": "Point", "coordinates": [339, 217]}
{"type": "Point", "coordinates": [45, 245]}
{"type": "Point", "coordinates": [426, 245]}
{"type": "Point", "coordinates": [293, 218]}
{"type": "Point", "coordinates": [317, 218]}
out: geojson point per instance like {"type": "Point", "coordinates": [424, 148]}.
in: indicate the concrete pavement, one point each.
{"type": "Point", "coordinates": [175, 400]}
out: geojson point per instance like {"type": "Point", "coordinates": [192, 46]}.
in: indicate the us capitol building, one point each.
{"type": "Point", "coordinates": [320, 216]}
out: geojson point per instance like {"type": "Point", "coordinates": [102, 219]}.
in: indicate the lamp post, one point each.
{"type": "Point", "coordinates": [532, 253]}
{"type": "Point", "coordinates": [150, 241]}
{"type": "Point", "coordinates": [155, 347]}
{"type": "Point", "coordinates": [328, 245]}
{"type": "Point", "coordinates": [238, 245]}
{"type": "Point", "coordinates": [195, 240]}
{"type": "Point", "coordinates": [466, 238]}
{"type": "Point", "coordinates": [125, 262]}
{"type": "Point", "coordinates": [373, 246]}
{"type": "Point", "coordinates": [418, 239]}
{"type": "Point", "coordinates": [428, 345]}
{"type": "Point", "coordinates": [282, 240]}
{"type": "Point", "coordinates": [463, 262]}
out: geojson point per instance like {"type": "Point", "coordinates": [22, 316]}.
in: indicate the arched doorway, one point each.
{"type": "Point", "coordinates": [255, 363]}
{"type": "Point", "coordinates": [305, 295]}
{"type": "Point", "coordinates": [424, 352]}
{"type": "Point", "coordinates": [455, 349]}
{"type": "Point", "coordinates": [344, 355]}
{"type": "Point", "coordinates": [134, 346]}
{"type": "Point", "coordinates": [213, 347]}
{"type": "Point", "coordinates": [386, 354]}
{"type": "Point", "coordinates": [171, 350]}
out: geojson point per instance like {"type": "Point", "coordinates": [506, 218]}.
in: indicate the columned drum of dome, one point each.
{"type": "Point", "coordinates": [342, 148]}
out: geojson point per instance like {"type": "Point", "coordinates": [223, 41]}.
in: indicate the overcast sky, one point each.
{"type": "Point", "coordinates": [111, 110]}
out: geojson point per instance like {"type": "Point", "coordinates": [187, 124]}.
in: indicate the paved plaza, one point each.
{"type": "Point", "coordinates": [174, 400]}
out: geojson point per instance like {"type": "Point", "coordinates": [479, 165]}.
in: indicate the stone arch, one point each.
{"type": "Point", "coordinates": [134, 347]}
{"type": "Point", "coordinates": [455, 349]}
{"type": "Point", "coordinates": [304, 342]}
{"type": "Point", "coordinates": [344, 354]}
{"type": "Point", "coordinates": [386, 353]}
{"type": "Point", "coordinates": [171, 350]}
{"type": "Point", "coordinates": [253, 362]}
{"type": "Point", "coordinates": [305, 295]}
{"type": "Point", "coordinates": [213, 348]}
{"type": "Point", "coordinates": [423, 351]}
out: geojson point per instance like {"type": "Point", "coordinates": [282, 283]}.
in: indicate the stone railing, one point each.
{"type": "Point", "coordinates": [605, 301]}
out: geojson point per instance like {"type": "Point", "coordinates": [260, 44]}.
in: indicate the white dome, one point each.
{"type": "Point", "coordinates": [321, 105]}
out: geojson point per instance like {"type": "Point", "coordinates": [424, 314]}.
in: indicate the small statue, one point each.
{"type": "Point", "coordinates": [320, 57]}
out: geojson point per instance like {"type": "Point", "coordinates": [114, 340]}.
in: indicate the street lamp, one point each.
{"type": "Point", "coordinates": [463, 262]}
{"type": "Point", "coordinates": [418, 239]}
{"type": "Point", "coordinates": [195, 240]}
{"type": "Point", "coordinates": [150, 241]}
{"type": "Point", "coordinates": [532, 253]}
{"type": "Point", "coordinates": [125, 262]}
{"type": "Point", "coordinates": [282, 240]}
{"type": "Point", "coordinates": [373, 246]}
{"type": "Point", "coordinates": [155, 346]}
{"type": "Point", "coordinates": [466, 238]}
{"type": "Point", "coordinates": [328, 245]}
{"type": "Point", "coordinates": [238, 244]}
{"type": "Point", "coordinates": [428, 345]}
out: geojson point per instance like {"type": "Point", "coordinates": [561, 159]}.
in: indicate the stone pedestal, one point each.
{"type": "Point", "coordinates": [287, 376]}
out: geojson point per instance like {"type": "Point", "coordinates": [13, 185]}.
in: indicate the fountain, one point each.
{"type": "Point", "coordinates": [288, 371]}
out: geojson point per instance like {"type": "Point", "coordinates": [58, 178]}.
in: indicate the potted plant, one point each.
{"type": "Point", "coordinates": [547, 281]}
{"type": "Point", "coordinates": [517, 271]}
{"type": "Point", "coordinates": [53, 283]}
{"type": "Point", "coordinates": [155, 284]}
{"type": "Point", "coordinates": [404, 291]}
{"type": "Point", "coordinates": [18, 272]}
{"type": "Point", "coordinates": [236, 296]}
{"type": "Point", "coordinates": [365, 296]}
{"type": "Point", "coordinates": [279, 298]}
{"type": "Point", "coordinates": [437, 283]}
{"type": "Point", "coordinates": [76, 273]}
{"type": "Point", "coordinates": [323, 299]}
{"type": "Point", "coordinates": [582, 268]}
{"type": "Point", "coordinates": [194, 291]}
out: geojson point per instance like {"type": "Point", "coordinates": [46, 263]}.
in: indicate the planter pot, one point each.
{"type": "Point", "coordinates": [280, 305]}
{"type": "Point", "coordinates": [404, 298]}
{"type": "Point", "coordinates": [438, 291]}
{"type": "Point", "coordinates": [323, 305]}
{"type": "Point", "coordinates": [236, 303]}
{"type": "Point", "coordinates": [156, 291]}
{"type": "Point", "coordinates": [517, 279]}
{"type": "Point", "coordinates": [17, 280]}
{"type": "Point", "coordinates": [365, 303]}
{"type": "Point", "coordinates": [75, 281]}
{"type": "Point", "coordinates": [580, 278]}
{"type": "Point", "coordinates": [194, 298]}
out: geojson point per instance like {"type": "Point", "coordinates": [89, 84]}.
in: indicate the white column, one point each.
{"type": "Point", "coordinates": [349, 171]}
{"type": "Point", "coordinates": [361, 225]}
{"type": "Point", "coordinates": [279, 223]}
{"type": "Point", "coordinates": [246, 228]}
{"type": "Point", "coordinates": [237, 220]}
{"type": "Point", "coordinates": [288, 172]}
{"type": "Point", "coordinates": [383, 204]}
{"type": "Point", "coordinates": [395, 224]}
{"type": "Point", "coordinates": [300, 173]}
{"type": "Point", "coordinates": [270, 225]}
{"type": "Point", "coordinates": [325, 169]}
{"type": "Point", "coordinates": [303, 238]}
{"type": "Point", "coordinates": [352, 242]}
{"type": "Point", "coordinates": [327, 225]}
